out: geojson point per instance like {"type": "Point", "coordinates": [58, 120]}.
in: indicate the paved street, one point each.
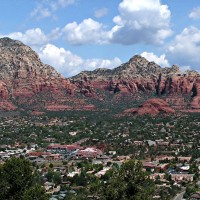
{"type": "Point", "coordinates": [179, 196]}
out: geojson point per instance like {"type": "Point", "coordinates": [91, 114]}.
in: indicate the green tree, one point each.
{"type": "Point", "coordinates": [57, 178]}
{"type": "Point", "coordinates": [17, 178]}
{"type": "Point", "coordinates": [49, 175]}
{"type": "Point", "coordinates": [51, 165]}
{"type": "Point", "coordinates": [128, 183]}
{"type": "Point", "coordinates": [35, 193]}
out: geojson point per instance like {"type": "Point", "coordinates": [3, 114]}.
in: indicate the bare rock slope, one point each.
{"type": "Point", "coordinates": [182, 91]}
{"type": "Point", "coordinates": [25, 80]}
{"type": "Point", "coordinates": [27, 83]}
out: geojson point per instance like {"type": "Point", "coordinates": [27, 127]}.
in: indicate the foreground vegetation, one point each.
{"type": "Point", "coordinates": [19, 181]}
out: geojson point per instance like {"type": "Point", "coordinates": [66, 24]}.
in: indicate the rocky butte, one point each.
{"type": "Point", "coordinates": [139, 76]}
{"type": "Point", "coordinates": [28, 84]}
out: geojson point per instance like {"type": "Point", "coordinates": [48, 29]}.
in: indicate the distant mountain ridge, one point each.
{"type": "Point", "coordinates": [24, 79]}
{"type": "Point", "coordinates": [28, 84]}
{"type": "Point", "coordinates": [137, 66]}
{"type": "Point", "coordinates": [20, 61]}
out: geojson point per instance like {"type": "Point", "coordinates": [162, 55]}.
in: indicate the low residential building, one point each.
{"type": "Point", "coordinates": [182, 177]}
{"type": "Point", "coordinates": [102, 172]}
{"type": "Point", "coordinates": [53, 157]}
{"type": "Point", "coordinates": [184, 159]}
{"type": "Point", "coordinates": [155, 176]}
{"type": "Point", "coordinates": [89, 152]}
{"type": "Point", "coordinates": [195, 196]}
{"type": "Point", "coordinates": [63, 149]}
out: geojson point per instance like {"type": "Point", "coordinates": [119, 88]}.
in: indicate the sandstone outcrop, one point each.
{"type": "Point", "coordinates": [195, 104]}
{"type": "Point", "coordinates": [28, 83]}
{"type": "Point", "coordinates": [37, 113]}
{"type": "Point", "coordinates": [152, 106]}
{"type": "Point", "coordinates": [25, 80]}
{"type": "Point", "coordinates": [137, 74]}
{"type": "Point", "coordinates": [3, 91]}
{"type": "Point", "coordinates": [7, 106]}
{"type": "Point", "coordinates": [140, 75]}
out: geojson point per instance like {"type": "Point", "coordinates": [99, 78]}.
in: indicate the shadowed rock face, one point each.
{"type": "Point", "coordinates": [25, 80]}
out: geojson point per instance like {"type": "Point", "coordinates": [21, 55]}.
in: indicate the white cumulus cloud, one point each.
{"type": "Point", "coordinates": [33, 37]}
{"type": "Point", "coordinates": [143, 21]}
{"type": "Point", "coordinates": [160, 60]}
{"type": "Point", "coordinates": [195, 13]}
{"type": "Point", "coordinates": [92, 64]}
{"type": "Point", "coordinates": [185, 48]}
{"type": "Point", "coordinates": [87, 32]}
{"type": "Point", "coordinates": [70, 64]}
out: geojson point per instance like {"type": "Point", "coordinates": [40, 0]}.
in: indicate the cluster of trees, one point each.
{"type": "Point", "coordinates": [129, 182]}
{"type": "Point", "coordinates": [190, 189]}
{"type": "Point", "coordinates": [18, 181]}
{"type": "Point", "coordinates": [54, 177]}
{"type": "Point", "coordinates": [118, 134]}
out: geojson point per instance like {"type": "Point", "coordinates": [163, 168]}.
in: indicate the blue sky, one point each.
{"type": "Point", "coordinates": [76, 35]}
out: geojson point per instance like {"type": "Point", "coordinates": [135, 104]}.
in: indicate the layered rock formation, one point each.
{"type": "Point", "coordinates": [25, 80]}
{"type": "Point", "coordinates": [27, 83]}
{"type": "Point", "coordinates": [152, 106]}
{"type": "Point", "coordinates": [22, 72]}
{"type": "Point", "coordinates": [139, 75]}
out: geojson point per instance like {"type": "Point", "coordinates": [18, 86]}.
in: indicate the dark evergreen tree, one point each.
{"type": "Point", "coordinates": [129, 182]}
{"type": "Point", "coordinates": [17, 181]}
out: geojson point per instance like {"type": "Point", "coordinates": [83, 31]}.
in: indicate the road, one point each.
{"type": "Point", "coordinates": [179, 196]}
